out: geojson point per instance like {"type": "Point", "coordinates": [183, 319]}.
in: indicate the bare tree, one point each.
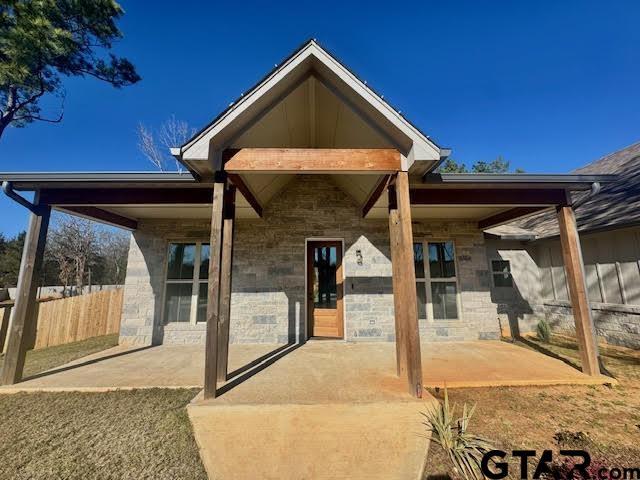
{"type": "Point", "coordinates": [72, 243]}
{"type": "Point", "coordinates": [155, 146]}
{"type": "Point", "coordinates": [147, 145]}
{"type": "Point", "coordinates": [114, 249]}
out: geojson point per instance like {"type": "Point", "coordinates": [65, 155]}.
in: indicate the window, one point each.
{"type": "Point", "coordinates": [501, 272]}
{"type": "Point", "coordinates": [186, 285]}
{"type": "Point", "coordinates": [437, 284]}
{"type": "Point", "coordinates": [418, 262]}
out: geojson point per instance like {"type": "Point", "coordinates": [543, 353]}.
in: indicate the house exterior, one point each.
{"type": "Point", "coordinates": [609, 225]}
{"type": "Point", "coordinates": [310, 210]}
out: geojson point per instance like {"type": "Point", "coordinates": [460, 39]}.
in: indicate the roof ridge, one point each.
{"type": "Point", "coordinates": [606, 157]}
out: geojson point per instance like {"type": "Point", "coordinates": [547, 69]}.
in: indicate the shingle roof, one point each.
{"type": "Point", "coordinates": [617, 205]}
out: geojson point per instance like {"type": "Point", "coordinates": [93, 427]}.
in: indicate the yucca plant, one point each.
{"type": "Point", "coordinates": [464, 449]}
{"type": "Point", "coordinates": [543, 331]}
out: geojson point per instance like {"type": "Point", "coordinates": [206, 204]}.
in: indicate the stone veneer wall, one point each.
{"type": "Point", "coordinates": [478, 316]}
{"type": "Point", "coordinates": [268, 284]}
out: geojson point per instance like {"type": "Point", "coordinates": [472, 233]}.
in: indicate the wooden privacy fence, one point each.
{"type": "Point", "coordinates": [77, 318]}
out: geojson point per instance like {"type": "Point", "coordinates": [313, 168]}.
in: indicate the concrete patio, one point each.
{"type": "Point", "coordinates": [319, 371]}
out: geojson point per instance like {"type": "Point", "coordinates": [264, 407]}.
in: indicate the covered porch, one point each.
{"type": "Point", "coordinates": [381, 287]}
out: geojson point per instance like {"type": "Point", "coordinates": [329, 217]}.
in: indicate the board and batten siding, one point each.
{"type": "Point", "coordinates": [612, 274]}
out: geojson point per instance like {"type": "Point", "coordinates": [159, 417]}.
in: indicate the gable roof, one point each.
{"type": "Point", "coordinates": [310, 59]}
{"type": "Point", "coordinates": [617, 204]}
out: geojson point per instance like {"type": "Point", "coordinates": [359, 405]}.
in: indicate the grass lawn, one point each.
{"type": "Point", "coordinates": [38, 361]}
{"type": "Point", "coordinates": [138, 434]}
{"type": "Point", "coordinates": [530, 417]}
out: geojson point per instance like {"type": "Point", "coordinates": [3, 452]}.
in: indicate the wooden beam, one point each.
{"type": "Point", "coordinates": [25, 309]}
{"type": "Point", "coordinates": [246, 192]}
{"type": "Point", "coordinates": [508, 216]}
{"type": "Point", "coordinates": [226, 270]}
{"type": "Point", "coordinates": [404, 286]}
{"type": "Point", "coordinates": [497, 196]}
{"type": "Point", "coordinates": [375, 194]}
{"type": "Point", "coordinates": [574, 268]}
{"type": "Point", "coordinates": [213, 294]}
{"type": "Point", "coordinates": [126, 196]}
{"type": "Point", "coordinates": [101, 215]}
{"type": "Point", "coordinates": [311, 160]}
{"type": "Point", "coordinates": [396, 272]}
{"type": "Point", "coordinates": [4, 326]}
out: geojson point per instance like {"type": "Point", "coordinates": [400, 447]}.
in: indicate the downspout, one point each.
{"type": "Point", "coordinates": [595, 189]}
{"type": "Point", "coordinates": [7, 188]}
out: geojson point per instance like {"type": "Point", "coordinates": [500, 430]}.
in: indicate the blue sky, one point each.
{"type": "Point", "coordinates": [549, 85]}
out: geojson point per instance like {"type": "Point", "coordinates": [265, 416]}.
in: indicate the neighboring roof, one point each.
{"type": "Point", "coordinates": [33, 180]}
{"type": "Point", "coordinates": [308, 58]}
{"type": "Point", "coordinates": [617, 205]}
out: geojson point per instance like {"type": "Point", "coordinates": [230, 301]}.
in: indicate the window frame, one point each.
{"type": "Point", "coordinates": [195, 282]}
{"type": "Point", "coordinates": [427, 280]}
{"type": "Point", "coordinates": [493, 272]}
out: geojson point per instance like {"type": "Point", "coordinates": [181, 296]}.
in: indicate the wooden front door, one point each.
{"type": "Point", "coordinates": [324, 289]}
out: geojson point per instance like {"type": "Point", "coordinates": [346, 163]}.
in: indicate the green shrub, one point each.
{"type": "Point", "coordinates": [464, 449]}
{"type": "Point", "coordinates": [543, 330]}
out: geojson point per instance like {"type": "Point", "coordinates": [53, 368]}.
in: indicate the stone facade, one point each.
{"type": "Point", "coordinates": [268, 283]}
{"type": "Point", "coordinates": [478, 315]}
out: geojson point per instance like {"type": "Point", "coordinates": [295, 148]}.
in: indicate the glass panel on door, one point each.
{"type": "Point", "coordinates": [325, 289]}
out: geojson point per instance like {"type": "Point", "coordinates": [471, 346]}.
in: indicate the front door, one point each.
{"type": "Point", "coordinates": [324, 289]}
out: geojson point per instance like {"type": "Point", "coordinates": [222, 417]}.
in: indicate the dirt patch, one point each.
{"type": "Point", "coordinates": [530, 417]}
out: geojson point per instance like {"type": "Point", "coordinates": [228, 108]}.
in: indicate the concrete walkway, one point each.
{"type": "Point", "coordinates": [326, 410]}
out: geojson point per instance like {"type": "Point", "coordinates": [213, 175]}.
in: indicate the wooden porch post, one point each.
{"type": "Point", "coordinates": [4, 326]}
{"type": "Point", "coordinates": [574, 268]}
{"type": "Point", "coordinates": [25, 308]}
{"type": "Point", "coordinates": [409, 361]}
{"type": "Point", "coordinates": [213, 294]}
{"type": "Point", "coordinates": [225, 281]}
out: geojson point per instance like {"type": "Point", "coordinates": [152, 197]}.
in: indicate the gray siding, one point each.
{"type": "Point", "coordinates": [612, 269]}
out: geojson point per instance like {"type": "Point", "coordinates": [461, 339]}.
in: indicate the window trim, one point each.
{"type": "Point", "coordinates": [195, 282]}
{"type": "Point", "coordinates": [493, 278]}
{"type": "Point", "coordinates": [427, 280]}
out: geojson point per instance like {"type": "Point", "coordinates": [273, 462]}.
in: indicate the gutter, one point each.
{"type": "Point", "coordinates": [7, 188]}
